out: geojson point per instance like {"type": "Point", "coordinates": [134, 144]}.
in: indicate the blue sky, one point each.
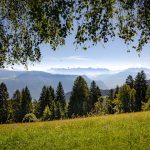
{"type": "Point", "coordinates": [112, 55]}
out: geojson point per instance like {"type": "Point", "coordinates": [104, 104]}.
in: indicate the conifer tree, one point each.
{"type": "Point", "coordinates": [26, 102]}
{"type": "Point", "coordinates": [42, 101]}
{"type": "Point", "coordinates": [132, 99]}
{"type": "Point", "coordinates": [60, 96]}
{"type": "Point", "coordinates": [79, 98]}
{"type": "Point", "coordinates": [4, 113]}
{"type": "Point", "coordinates": [130, 81]}
{"type": "Point", "coordinates": [141, 88]}
{"type": "Point", "coordinates": [16, 105]}
{"type": "Point", "coordinates": [46, 98]}
{"type": "Point", "coordinates": [95, 93]}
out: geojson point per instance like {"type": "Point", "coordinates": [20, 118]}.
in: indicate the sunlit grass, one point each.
{"type": "Point", "coordinates": [125, 131]}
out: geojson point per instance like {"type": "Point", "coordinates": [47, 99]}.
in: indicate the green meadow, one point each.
{"type": "Point", "coordinates": [112, 132]}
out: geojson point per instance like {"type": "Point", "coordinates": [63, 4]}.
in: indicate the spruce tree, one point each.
{"type": "Point", "coordinates": [46, 98]}
{"type": "Point", "coordinates": [95, 93]}
{"type": "Point", "coordinates": [4, 113]}
{"type": "Point", "coordinates": [130, 81]}
{"type": "Point", "coordinates": [52, 92]}
{"type": "Point", "coordinates": [60, 96]}
{"type": "Point", "coordinates": [78, 104]}
{"type": "Point", "coordinates": [26, 102]}
{"type": "Point", "coordinates": [141, 88]}
{"type": "Point", "coordinates": [42, 101]}
{"type": "Point", "coordinates": [16, 105]}
{"type": "Point", "coordinates": [51, 100]}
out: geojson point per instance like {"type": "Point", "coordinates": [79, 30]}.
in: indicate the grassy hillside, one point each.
{"type": "Point", "coordinates": [125, 131]}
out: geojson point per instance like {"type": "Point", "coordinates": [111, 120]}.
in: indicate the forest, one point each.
{"type": "Point", "coordinates": [132, 96]}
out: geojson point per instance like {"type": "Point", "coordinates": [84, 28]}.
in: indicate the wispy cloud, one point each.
{"type": "Point", "coordinates": [75, 58]}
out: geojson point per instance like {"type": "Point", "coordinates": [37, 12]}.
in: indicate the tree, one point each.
{"type": "Point", "coordinates": [26, 24]}
{"type": "Point", "coordinates": [16, 105]}
{"type": "Point", "coordinates": [148, 93]}
{"type": "Point", "coordinates": [46, 113]}
{"type": "Point", "coordinates": [109, 102]}
{"type": "Point", "coordinates": [79, 98]}
{"type": "Point", "coordinates": [124, 97]}
{"type": "Point", "coordinates": [60, 96]}
{"type": "Point", "coordinates": [141, 88]}
{"type": "Point", "coordinates": [99, 108]}
{"type": "Point", "coordinates": [4, 113]}
{"type": "Point", "coordinates": [146, 106]}
{"type": "Point", "coordinates": [42, 101]}
{"type": "Point", "coordinates": [116, 91]}
{"type": "Point", "coordinates": [26, 102]}
{"type": "Point", "coordinates": [132, 99]}
{"type": "Point", "coordinates": [130, 81]}
{"type": "Point", "coordinates": [95, 93]}
{"type": "Point", "coordinates": [58, 110]}
{"type": "Point", "coordinates": [46, 98]}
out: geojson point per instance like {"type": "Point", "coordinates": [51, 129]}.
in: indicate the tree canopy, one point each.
{"type": "Point", "coordinates": [25, 24]}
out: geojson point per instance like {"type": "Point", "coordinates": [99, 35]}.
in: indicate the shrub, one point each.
{"type": "Point", "coordinates": [146, 106]}
{"type": "Point", "coordinates": [29, 118]}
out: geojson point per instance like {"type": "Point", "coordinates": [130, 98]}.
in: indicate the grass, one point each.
{"type": "Point", "coordinates": [114, 132]}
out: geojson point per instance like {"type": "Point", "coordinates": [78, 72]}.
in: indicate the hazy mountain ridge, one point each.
{"type": "Point", "coordinates": [79, 71]}
{"type": "Point", "coordinates": [35, 80]}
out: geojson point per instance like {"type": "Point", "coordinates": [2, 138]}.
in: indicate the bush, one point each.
{"type": "Point", "coordinates": [146, 106]}
{"type": "Point", "coordinates": [29, 118]}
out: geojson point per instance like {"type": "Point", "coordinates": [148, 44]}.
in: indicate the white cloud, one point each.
{"type": "Point", "coordinates": [75, 58]}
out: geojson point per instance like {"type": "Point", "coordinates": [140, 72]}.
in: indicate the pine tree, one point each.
{"type": "Point", "coordinates": [79, 98]}
{"type": "Point", "coordinates": [60, 96]}
{"type": "Point", "coordinates": [95, 93]}
{"type": "Point", "coordinates": [4, 113]}
{"type": "Point", "coordinates": [26, 102]}
{"type": "Point", "coordinates": [16, 105]}
{"type": "Point", "coordinates": [130, 81]}
{"type": "Point", "coordinates": [141, 88]}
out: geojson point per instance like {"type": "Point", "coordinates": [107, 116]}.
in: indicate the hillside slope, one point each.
{"type": "Point", "coordinates": [117, 132]}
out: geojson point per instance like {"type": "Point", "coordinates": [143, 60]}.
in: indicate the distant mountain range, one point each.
{"type": "Point", "coordinates": [110, 78]}
{"type": "Point", "coordinates": [35, 80]}
{"type": "Point", "coordinates": [79, 71]}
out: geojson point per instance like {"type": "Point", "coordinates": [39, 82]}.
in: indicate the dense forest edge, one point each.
{"type": "Point", "coordinates": [132, 96]}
